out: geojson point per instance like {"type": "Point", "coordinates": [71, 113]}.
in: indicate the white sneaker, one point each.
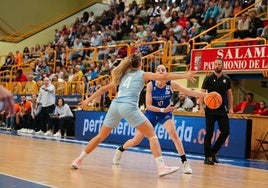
{"type": "Point", "coordinates": [22, 130]}
{"type": "Point", "coordinates": [76, 163]}
{"type": "Point", "coordinates": [31, 131]}
{"type": "Point", "coordinates": [58, 134]}
{"type": "Point", "coordinates": [39, 132]}
{"type": "Point", "coordinates": [165, 170]}
{"type": "Point", "coordinates": [48, 133]}
{"type": "Point", "coordinates": [187, 168]}
{"type": "Point", "coordinates": [117, 156]}
{"type": "Point", "coordinates": [8, 128]}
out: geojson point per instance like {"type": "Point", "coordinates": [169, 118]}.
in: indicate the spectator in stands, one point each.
{"type": "Point", "coordinates": [47, 99]}
{"type": "Point", "coordinates": [264, 33]}
{"type": "Point", "coordinates": [120, 7]}
{"type": "Point", "coordinates": [182, 20]}
{"type": "Point", "coordinates": [197, 13]}
{"type": "Point", "coordinates": [9, 62]}
{"type": "Point", "coordinates": [93, 71]}
{"type": "Point", "coordinates": [220, 5]}
{"type": "Point", "coordinates": [105, 100]}
{"type": "Point", "coordinates": [236, 7]}
{"type": "Point", "coordinates": [19, 58]}
{"type": "Point", "coordinates": [254, 25]}
{"type": "Point", "coordinates": [262, 7]}
{"type": "Point", "coordinates": [78, 72]}
{"type": "Point", "coordinates": [26, 54]}
{"type": "Point", "coordinates": [242, 30]}
{"type": "Point", "coordinates": [145, 48]}
{"type": "Point", "coordinates": [125, 28]}
{"type": "Point", "coordinates": [78, 51]}
{"type": "Point", "coordinates": [60, 119]}
{"type": "Point", "coordinates": [106, 69]}
{"type": "Point", "coordinates": [184, 103]}
{"type": "Point", "coordinates": [152, 63]}
{"type": "Point", "coordinates": [35, 114]}
{"type": "Point", "coordinates": [249, 100]}
{"type": "Point", "coordinates": [183, 46]}
{"type": "Point", "coordinates": [23, 116]}
{"type": "Point", "coordinates": [174, 43]}
{"type": "Point", "coordinates": [132, 10]}
{"type": "Point", "coordinates": [143, 16]}
{"type": "Point", "coordinates": [91, 19]}
{"type": "Point", "coordinates": [20, 76]}
{"type": "Point", "coordinates": [159, 26]}
{"type": "Point", "coordinates": [96, 39]}
{"type": "Point", "coordinates": [189, 9]}
{"type": "Point", "coordinates": [212, 11]}
{"type": "Point", "coordinates": [227, 12]}
{"type": "Point", "coordinates": [30, 86]}
{"type": "Point", "coordinates": [44, 66]}
{"type": "Point", "coordinates": [10, 119]}
{"type": "Point", "coordinates": [210, 35]}
{"type": "Point", "coordinates": [196, 106]}
{"type": "Point", "coordinates": [263, 109]}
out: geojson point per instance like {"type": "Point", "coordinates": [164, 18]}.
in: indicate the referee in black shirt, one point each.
{"type": "Point", "coordinates": [219, 82]}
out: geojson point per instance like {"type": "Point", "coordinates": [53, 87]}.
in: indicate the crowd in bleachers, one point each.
{"type": "Point", "coordinates": [175, 21]}
{"type": "Point", "coordinates": [69, 57]}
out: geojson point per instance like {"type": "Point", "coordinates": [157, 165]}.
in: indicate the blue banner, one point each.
{"type": "Point", "coordinates": [191, 130]}
{"type": "Point", "coordinates": [71, 100]}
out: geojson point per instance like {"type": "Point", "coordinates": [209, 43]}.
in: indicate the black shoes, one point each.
{"type": "Point", "coordinates": [214, 159]}
{"type": "Point", "coordinates": [208, 161]}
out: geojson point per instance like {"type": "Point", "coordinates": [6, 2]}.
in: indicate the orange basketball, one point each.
{"type": "Point", "coordinates": [213, 100]}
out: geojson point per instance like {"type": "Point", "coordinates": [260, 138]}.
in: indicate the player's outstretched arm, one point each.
{"type": "Point", "coordinates": [98, 93]}
{"type": "Point", "coordinates": [169, 76]}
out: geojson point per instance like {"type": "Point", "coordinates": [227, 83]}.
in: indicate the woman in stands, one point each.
{"type": "Point", "coordinates": [130, 79]}
{"type": "Point", "coordinates": [263, 109]}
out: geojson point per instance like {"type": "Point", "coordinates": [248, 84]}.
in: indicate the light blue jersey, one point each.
{"type": "Point", "coordinates": [130, 87]}
{"type": "Point", "coordinates": [125, 105]}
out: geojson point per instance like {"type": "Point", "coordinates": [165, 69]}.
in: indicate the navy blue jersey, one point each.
{"type": "Point", "coordinates": [161, 96]}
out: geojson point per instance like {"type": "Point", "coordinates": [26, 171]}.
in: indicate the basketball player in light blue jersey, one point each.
{"type": "Point", "coordinates": [130, 78]}
{"type": "Point", "coordinates": [159, 110]}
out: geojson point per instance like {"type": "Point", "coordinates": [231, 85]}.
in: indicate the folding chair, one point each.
{"type": "Point", "coordinates": [262, 142]}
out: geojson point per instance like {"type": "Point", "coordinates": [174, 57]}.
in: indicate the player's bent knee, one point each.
{"type": "Point", "coordinates": [153, 137]}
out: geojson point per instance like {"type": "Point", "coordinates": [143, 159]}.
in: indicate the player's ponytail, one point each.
{"type": "Point", "coordinates": [127, 64]}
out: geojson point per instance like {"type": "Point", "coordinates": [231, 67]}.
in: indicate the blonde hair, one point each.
{"type": "Point", "coordinates": [126, 65]}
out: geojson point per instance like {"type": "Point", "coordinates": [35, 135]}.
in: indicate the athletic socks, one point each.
{"type": "Point", "coordinates": [183, 158]}
{"type": "Point", "coordinates": [121, 148]}
{"type": "Point", "coordinates": [82, 155]}
{"type": "Point", "coordinates": [159, 161]}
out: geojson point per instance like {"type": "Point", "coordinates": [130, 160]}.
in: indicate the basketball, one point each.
{"type": "Point", "coordinates": [213, 100]}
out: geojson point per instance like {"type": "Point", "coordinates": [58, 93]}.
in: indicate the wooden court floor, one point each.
{"type": "Point", "coordinates": [47, 162]}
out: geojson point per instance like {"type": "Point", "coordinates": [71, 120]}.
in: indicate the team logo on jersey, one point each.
{"type": "Point", "coordinates": [224, 81]}
{"type": "Point", "coordinates": [167, 90]}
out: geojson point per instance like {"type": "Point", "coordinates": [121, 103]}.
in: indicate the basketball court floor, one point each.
{"type": "Point", "coordinates": [39, 162]}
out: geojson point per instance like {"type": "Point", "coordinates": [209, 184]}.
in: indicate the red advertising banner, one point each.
{"type": "Point", "coordinates": [238, 58]}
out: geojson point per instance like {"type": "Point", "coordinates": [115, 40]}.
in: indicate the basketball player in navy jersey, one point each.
{"type": "Point", "coordinates": [130, 78]}
{"type": "Point", "coordinates": [221, 83]}
{"type": "Point", "coordinates": [159, 110]}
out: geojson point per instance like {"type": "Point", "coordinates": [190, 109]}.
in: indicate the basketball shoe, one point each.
{"type": "Point", "coordinates": [76, 163]}
{"type": "Point", "coordinates": [117, 156]}
{"type": "Point", "coordinates": [187, 168]}
{"type": "Point", "coordinates": [165, 170]}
